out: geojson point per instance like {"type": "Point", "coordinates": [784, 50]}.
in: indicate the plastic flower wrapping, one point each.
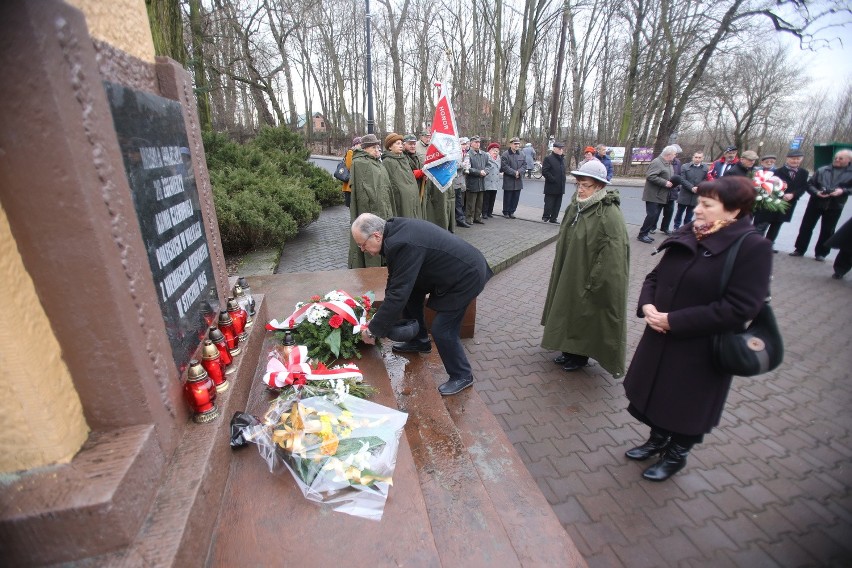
{"type": "Point", "coordinates": [770, 192]}
{"type": "Point", "coordinates": [329, 326]}
{"type": "Point", "coordinates": [340, 450]}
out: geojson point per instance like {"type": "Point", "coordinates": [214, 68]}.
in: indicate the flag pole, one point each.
{"type": "Point", "coordinates": [369, 75]}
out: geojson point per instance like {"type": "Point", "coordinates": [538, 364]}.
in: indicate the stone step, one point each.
{"type": "Point", "coordinates": [484, 506]}
{"type": "Point", "coordinates": [461, 494]}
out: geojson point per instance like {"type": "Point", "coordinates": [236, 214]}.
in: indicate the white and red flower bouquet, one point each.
{"type": "Point", "coordinates": [770, 192]}
{"type": "Point", "coordinates": [329, 326]}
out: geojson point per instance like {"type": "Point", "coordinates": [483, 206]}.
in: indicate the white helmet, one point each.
{"type": "Point", "coordinates": [593, 169]}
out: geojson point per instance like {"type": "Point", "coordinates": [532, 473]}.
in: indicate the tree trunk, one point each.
{"type": "Point", "coordinates": [202, 88]}
{"type": "Point", "coordinates": [167, 28]}
{"type": "Point", "coordinates": [532, 16]}
{"type": "Point", "coordinates": [497, 87]}
{"type": "Point", "coordinates": [557, 77]}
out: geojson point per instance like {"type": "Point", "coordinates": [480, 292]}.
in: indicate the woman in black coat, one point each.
{"type": "Point", "coordinates": [672, 384]}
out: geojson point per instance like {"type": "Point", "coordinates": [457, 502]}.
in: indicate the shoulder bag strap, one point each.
{"type": "Point", "coordinates": [731, 258]}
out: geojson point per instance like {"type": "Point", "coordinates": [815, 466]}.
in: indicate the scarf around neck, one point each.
{"type": "Point", "coordinates": [707, 229]}
{"type": "Point", "coordinates": [583, 204]}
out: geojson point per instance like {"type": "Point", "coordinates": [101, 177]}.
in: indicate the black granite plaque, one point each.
{"type": "Point", "coordinates": [159, 169]}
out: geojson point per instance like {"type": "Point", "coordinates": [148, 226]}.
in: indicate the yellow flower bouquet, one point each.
{"type": "Point", "coordinates": [340, 450]}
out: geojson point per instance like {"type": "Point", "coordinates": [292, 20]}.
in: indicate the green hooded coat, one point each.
{"type": "Point", "coordinates": [586, 305]}
{"type": "Point", "coordinates": [371, 193]}
{"type": "Point", "coordinates": [404, 188]}
{"type": "Point", "coordinates": [415, 162]}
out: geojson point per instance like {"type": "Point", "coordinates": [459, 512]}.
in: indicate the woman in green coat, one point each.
{"type": "Point", "coordinates": [584, 313]}
{"type": "Point", "coordinates": [404, 188]}
{"type": "Point", "coordinates": [371, 193]}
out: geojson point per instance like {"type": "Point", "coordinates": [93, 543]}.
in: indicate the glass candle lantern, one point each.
{"type": "Point", "coordinates": [226, 326]}
{"type": "Point", "coordinates": [238, 318]}
{"type": "Point", "coordinates": [200, 393]}
{"type": "Point", "coordinates": [243, 283]}
{"type": "Point", "coordinates": [244, 303]}
{"type": "Point", "coordinates": [221, 344]}
{"type": "Point", "coordinates": [212, 362]}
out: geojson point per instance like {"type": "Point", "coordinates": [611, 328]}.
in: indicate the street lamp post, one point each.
{"type": "Point", "coordinates": [369, 75]}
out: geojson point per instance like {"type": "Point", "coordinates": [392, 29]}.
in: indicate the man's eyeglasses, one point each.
{"type": "Point", "coordinates": [362, 245]}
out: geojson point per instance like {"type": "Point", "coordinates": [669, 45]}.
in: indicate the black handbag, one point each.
{"type": "Point", "coordinates": [341, 172]}
{"type": "Point", "coordinates": [759, 348]}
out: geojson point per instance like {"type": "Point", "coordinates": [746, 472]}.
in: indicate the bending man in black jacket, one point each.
{"type": "Point", "coordinates": [424, 259]}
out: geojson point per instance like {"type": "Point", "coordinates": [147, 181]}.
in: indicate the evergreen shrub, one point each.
{"type": "Point", "coordinates": [265, 190]}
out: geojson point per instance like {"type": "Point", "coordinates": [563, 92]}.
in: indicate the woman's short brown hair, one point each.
{"type": "Point", "coordinates": [735, 192]}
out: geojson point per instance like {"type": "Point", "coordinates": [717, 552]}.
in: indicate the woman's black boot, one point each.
{"type": "Point", "coordinates": [655, 444]}
{"type": "Point", "coordinates": [672, 461]}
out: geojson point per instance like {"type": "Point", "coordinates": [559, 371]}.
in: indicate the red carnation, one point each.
{"type": "Point", "coordinates": [315, 298]}
{"type": "Point", "coordinates": [366, 302]}
{"type": "Point", "coordinates": [335, 321]}
{"type": "Point", "coordinates": [350, 302]}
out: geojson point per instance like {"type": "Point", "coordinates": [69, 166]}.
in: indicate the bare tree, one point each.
{"type": "Point", "coordinates": [534, 19]}
{"type": "Point", "coordinates": [750, 89]}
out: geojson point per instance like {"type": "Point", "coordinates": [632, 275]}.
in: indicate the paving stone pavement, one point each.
{"type": "Point", "coordinates": [323, 245]}
{"type": "Point", "coordinates": [769, 487]}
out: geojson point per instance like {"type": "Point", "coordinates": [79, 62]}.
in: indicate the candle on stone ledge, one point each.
{"type": "Point", "coordinates": [221, 344]}
{"type": "Point", "coordinates": [200, 393]}
{"type": "Point", "coordinates": [238, 318]}
{"type": "Point", "coordinates": [245, 303]}
{"type": "Point", "coordinates": [226, 326]}
{"type": "Point", "coordinates": [243, 283]}
{"type": "Point", "coordinates": [212, 362]}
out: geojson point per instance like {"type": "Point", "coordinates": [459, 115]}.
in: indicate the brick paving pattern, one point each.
{"type": "Point", "coordinates": [769, 487]}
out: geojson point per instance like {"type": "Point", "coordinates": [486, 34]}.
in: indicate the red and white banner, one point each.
{"type": "Point", "coordinates": [444, 152]}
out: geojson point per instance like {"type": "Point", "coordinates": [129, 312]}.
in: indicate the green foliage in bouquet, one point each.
{"type": "Point", "coordinates": [307, 468]}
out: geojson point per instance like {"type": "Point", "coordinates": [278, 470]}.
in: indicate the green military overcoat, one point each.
{"type": "Point", "coordinates": [371, 193]}
{"type": "Point", "coordinates": [415, 162]}
{"type": "Point", "coordinates": [585, 309]}
{"type": "Point", "coordinates": [405, 190]}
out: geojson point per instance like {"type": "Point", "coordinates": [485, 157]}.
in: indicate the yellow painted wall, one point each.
{"type": "Point", "coordinates": [41, 418]}
{"type": "Point", "coordinates": [121, 23]}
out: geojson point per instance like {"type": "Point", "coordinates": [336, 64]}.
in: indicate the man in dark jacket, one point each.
{"type": "Point", "coordinates": [475, 170]}
{"type": "Point", "coordinates": [692, 174]}
{"type": "Point", "coordinates": [721, 166]}
{"type": "Point", "coordinates": [829, 188]}
{"type": "Point", "coordinates": [600, 154]}
{"type": "Point", "coordinates": [512, 164]}
{"type": "Point", "coordinates": [424, 259]}
{"type": "Point", "coordinates": [553, 170]}
{"type": "Point", "coordinates": [769, 223]}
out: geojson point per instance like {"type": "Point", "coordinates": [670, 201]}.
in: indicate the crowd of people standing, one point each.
{"type": "Point", "coordinates": [667, 182]}
{"type": "Point", "coordinates": [387, 180]}
{"type": "Point", "coordinates": [672, 384]}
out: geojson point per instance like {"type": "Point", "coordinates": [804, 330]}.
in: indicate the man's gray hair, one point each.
{"type": "Point", "coordinates": [844, 152]}
{"type": "Point", "coordinates": [671, 149]}
{"type": "Point", "coordinates": [366, 224]}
